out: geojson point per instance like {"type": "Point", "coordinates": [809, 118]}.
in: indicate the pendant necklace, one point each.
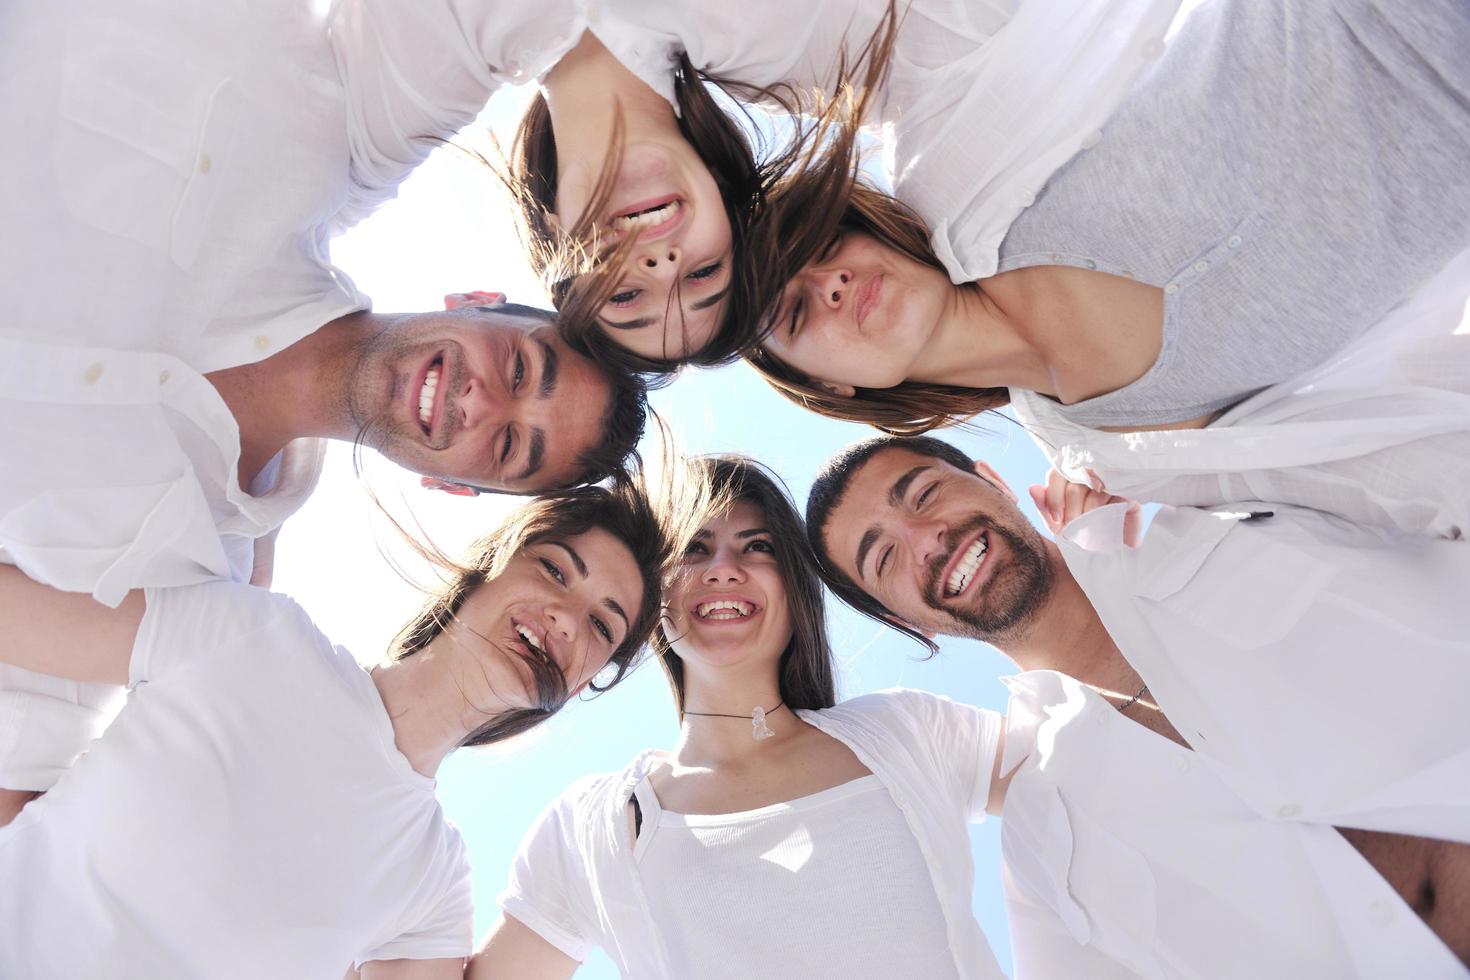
{"type": "Point", "coordinates": [758, 728]}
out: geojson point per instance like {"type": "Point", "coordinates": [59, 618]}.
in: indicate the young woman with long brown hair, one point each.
{"type": "Point", "coordinates": [1225, 232]}
{"type": "Point", "coordinates": [786, 833]}
{"type": "Point", "coordinates": [265, 806]}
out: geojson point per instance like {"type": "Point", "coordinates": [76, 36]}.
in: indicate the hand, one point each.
{"type": "Point", "coordinates": [1061, 502]}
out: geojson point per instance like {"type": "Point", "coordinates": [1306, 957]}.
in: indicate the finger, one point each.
{"type": "Point", "coordinates": [1076, 495]}
{"type": "Point", "coordinates": [1038, 497]}
{"type": "Point", "coordinates": [1056, 488]}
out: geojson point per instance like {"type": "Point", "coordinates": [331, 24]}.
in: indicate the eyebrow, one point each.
{"type": "Point", "coordinates": [613, 605]}
{"type": "Point", "coordinates": [752, 532]}
{"type": "Point", "coordinates": [577, 561]}
{"type": "Point", "coordinates": [901, 485]}
{"type": "Point", "coordinates": [550, 365]}
{"type": "Point", "coordinates": [536, 455]}
{"type": "Point", "coordinates": [870, 537]}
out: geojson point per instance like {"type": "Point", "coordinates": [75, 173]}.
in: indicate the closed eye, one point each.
{"type": "Point", "coordinates": [625, 297]}
{"type": "Point", "coordinates": [553, 571]}
{"type": "Point", "coordinates": [602, 629]}
{"type": "Point", "coordinates": [795, 316]}
{"type": "Point", "coordinates": [883, 559]}
{"type": "Point", "coordinates": [505, 446]}
{"type": "Point", "coordinates": [705, 272]}
{"type": "Point", "coordinates": [923, 497]}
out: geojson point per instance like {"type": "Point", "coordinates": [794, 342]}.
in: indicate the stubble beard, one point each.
{"type": "Point", "coordinates": [1013, 595]}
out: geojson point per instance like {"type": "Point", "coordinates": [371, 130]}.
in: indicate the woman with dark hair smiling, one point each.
{"type": "Point", "coordinates": [264, 806]}
{"type": "Point", "coordinates": [736, 854]}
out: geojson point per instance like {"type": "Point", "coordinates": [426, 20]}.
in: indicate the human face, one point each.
{"type": "Point", "coordinates": [943, 549]}
{"type": "Point", "coordinates": [566, 600]}
{"type": "Point", "coordinates": [728, 605]}
{"type": "Point", "coordinates": [479, 397]}
{"type": "Point", "coordinates": [670, 294]}
{"type": "Point", "coordinates": [859, 315]}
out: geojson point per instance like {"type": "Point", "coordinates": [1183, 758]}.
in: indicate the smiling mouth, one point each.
{"type": "Point", "coordinates": [965, 569]}
{"type": "Point", "coordinates": [724, 610]}
{"type": "Point", "coordinates": [427, 395]}
{"type": "Point", "coordinates": [653, 217]}
{"type": "Point", "coordinates": [533, 642]}
{"type": "Point", "coordinates": [867, 299]}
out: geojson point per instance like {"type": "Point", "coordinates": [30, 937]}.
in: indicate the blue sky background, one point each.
{"type": "Point", "coordinates": [449, 231]}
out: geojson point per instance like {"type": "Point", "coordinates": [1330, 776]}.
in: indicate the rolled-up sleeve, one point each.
{"type": "Point", "coordinates": [548, 889]}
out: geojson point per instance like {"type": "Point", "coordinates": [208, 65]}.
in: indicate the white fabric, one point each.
{"type": "Point", "coordinates": [779, 890]}
{"type": "Point", "coordinates": [247, 815]}
{"type": "Point", "coordinates": [1379, 435]}
{"type": "Point", "coordinates": [1318, 670]}
{"type": "Point", "coordinates": [1126, 855]}
{"type": "Point", "coordinates": [576, 882]}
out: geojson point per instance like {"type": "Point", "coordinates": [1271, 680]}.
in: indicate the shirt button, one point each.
{"type": "Point", "coordinates": [163, 377]}
{"type": "Point", "coordinates": [1380, 913]}
{"type": "Point", "coordinates": [1201, 266]}
{"type": "Point", "coordinates": [1127, 273]}
{"type": "Point", "coordinates": [1092, 139]}
{"type": "Point", "coordinates": [262, 342]}
{"type": "Point", "coordinates": [1234, 241]}
{"type": "Point", "coordinates": [1172, 288]}
{"type": "Point", "coordinates": [93, 372]}
{"type": "Point", "coordinates": [1090, 264]}
{"type": "Point", "coordinates": [1152, 49]}
{"type": "Point", "coordinates": [1288, 811]}
{"type": "Point", "coordinates": [205, 164]}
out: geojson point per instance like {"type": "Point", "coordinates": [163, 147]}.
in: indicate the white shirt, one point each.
{"type": "Point", "coordinates": [831, 884]}
{"type": "Point", "coordinates": [1267, 643]}
{"type": "Point", "coordinates": [576, 881]}
{"type": "Point", "coordinates": [1378, 435]}
{"type": "Point", "coordinates": [247, 815]}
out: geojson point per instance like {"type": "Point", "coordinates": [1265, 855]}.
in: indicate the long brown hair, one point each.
{"type": "Point", "coordinates": [805, 673]}
{"type": "Point", "coordinates": [654, 532]}
{"type": "Point", "coordinates": [910, 407]}
{"type": "Point", "coordinates": [582, 276]}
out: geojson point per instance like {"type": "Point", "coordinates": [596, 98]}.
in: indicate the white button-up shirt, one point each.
{"type": "Point", "coordinates": [1379, 435]}
{"type": "Point", "coordinates": [1317, 669]}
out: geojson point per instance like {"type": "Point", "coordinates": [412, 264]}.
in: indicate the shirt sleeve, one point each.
{"type": "Point", "coordinates": [548, 890]}
{"type": "Point", "coordinates": [446, 930]}
{"type": "Point", "coordinates": [1042, 947]}
{"type": "Point", "coordinates": [416, 73]}
{"type": "Point", "coordinates": [957, 741]}
{"type": "Point", "coordinates": [180, 624]}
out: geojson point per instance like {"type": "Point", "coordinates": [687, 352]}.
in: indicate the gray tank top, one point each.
{"type": "Point", "coordinates": [1287, 173]}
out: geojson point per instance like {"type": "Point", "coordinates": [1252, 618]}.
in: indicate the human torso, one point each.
{"type": "Point", "coordinates": [246, 815]}
{"type": "Point", "coordinates": [1259, 203]}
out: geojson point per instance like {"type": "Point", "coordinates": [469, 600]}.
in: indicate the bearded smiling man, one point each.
{"type": "Point", "coordinates": [176, 340]}
{"type": "Point", "coordinates": [1237, 745]}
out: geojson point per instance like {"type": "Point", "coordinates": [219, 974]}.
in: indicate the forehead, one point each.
{"type": "Point", "coordinates": [611, 568]}
{"type": "Point", "coordinates": [873, 496]}
{"type": "Point", "coordinates": [742, 516]}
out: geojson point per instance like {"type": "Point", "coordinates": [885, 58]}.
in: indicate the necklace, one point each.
{"type": "Point", "coordinates": [758, 729]}
{"type": "Point", "coordinates": [1133, 700]}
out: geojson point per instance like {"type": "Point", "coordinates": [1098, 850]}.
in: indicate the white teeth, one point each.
{"type": "Point", "coordinates": [646, 219]}
{"type": "Point", "coordinates": [426, 395]}
{"type": "Point", "coordinates": [529, 637]}
{"type": "Point", "coordinates": [970, 561]}
{"type": "Point", "coordinates": [724, 609]}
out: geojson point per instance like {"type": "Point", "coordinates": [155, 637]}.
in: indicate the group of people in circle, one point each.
{"type": "Point", "coordinates": [1222, 274]}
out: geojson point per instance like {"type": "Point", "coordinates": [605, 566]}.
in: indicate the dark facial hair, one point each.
{"type": "Point", "coordinates": [1015, 591]}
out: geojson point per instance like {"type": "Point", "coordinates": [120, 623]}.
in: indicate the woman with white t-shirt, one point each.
{"type": "Point", "coordinates": [264, 806]}
{"type": "Point", "coordinates": [785, 834]}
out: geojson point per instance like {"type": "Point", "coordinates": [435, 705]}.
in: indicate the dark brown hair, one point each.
{"type": "Point", "coordinates": [805, 672]}
{"type": "Point", "coordinates": [824, 140]}
{"type": "Point", "coordinates": [910, 407]}
{"type": "Point", "coordinates": [655, 534]}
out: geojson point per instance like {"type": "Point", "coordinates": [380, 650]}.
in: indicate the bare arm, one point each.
{"type": "Point", "coordinates": [446, 969]}
{"type": "Point", "coordinates": [514, 951]}
{"type": "Point", "coordinates": [65, 634]}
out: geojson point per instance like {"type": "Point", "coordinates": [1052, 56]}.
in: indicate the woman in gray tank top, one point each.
{"type": "Point", "coordinates": [1284, 176]}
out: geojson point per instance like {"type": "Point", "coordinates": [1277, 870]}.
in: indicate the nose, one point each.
{"type": "Point", "coordinates": [660, 261]}
{"type": "Point", "coordinates": [829, 284]}
{"type": "Point", "coordinates": [562, 623]}
{"type": "Point", "coordinates": [477, 406]}
{"type": "Point", "coordinates": [925, 539]}
{"type": "Point", "coordinates": [723, 567]}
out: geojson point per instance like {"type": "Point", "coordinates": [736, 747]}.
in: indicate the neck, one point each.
{"type": "Point", "coordinates": [979, 344]}
{"type": "Point", "coordinates": [587, 91]}
{"type": "Point", "coordinates": [1066, 635]}
{"type": "Point", "coordinates": [298, 392]}
{"type": "Point", "coordinates": [714, 742]}
{"type": "Point", "coordinates": [427, 699]}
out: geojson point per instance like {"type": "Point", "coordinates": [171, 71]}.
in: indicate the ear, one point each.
{"type": "Point", "coordinates": [841, 391]}
{"type": "Point", "coordinates": [905, 624]}
{"type": "Point", "coordinates": [984, 472]}
{"type": "Point", "coordinates": [453, 301]}
{"type": "Point", "coordinates": [448, 486]}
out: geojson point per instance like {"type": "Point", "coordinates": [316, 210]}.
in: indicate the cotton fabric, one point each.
{"type": "Point", "coordinates": [1266, 642]}
{"type": "Point", "coordinates": [248, 814]}
{"type": "Point", "coordinates": [577, 884]}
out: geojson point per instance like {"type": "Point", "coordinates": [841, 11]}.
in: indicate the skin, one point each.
{"type": "Point", "coordinates": [730, 667]}
{"type": "Point", "coordinates": [915, 503]}
{"type": "Point", "coordinates": [363, 373]}
{"type": "Point", "coordinates": [435, 698]}
{"type": "Point", "coordinates": [669, 299]}
{"type": "Point", "coordinates": [864, 315]}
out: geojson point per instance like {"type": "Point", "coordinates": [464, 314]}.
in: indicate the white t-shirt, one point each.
{"type": "Point", "coordinates": [830, 884]}
{"type": "Point", "coordinates": [247, 815]}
